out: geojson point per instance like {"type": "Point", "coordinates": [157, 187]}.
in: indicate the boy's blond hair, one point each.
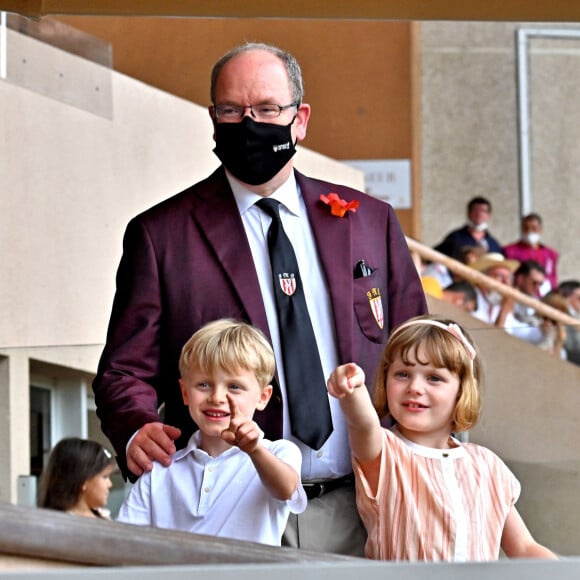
{"type": "Point", "coordinates": [230, 345]}
{"type": "Point", "coordinates": [443, 350]}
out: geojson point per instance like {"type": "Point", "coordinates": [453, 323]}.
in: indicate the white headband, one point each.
{"type": "Point", "coordinates": [450, 328]}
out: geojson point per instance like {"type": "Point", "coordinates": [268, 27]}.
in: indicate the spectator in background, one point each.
{"type": "Point", "coordinates": [492, 307]}
{"type": "Point", "coordinates": [554, 332]}
{"type": "Point", "coordinates": [529, 248]}
{"type": "Point", "coordinates": [528, 279]}
{"type": "Point", "coordinates": [469, 254]}
{"type": "Point", "coordinates": [466, 255]}
{"type": "Point", "coordinates": [438, 272]}
{"type": "Point", "coordinates": [495, 308]}
{"type": "Point", "coordinates": [461, 294]}
{"type": "Point", "coordinates": [570, 290]}
{"type": "Point", "coordinates": [77, 478]}
{"type": "Point", "coordinates": [474, 233]}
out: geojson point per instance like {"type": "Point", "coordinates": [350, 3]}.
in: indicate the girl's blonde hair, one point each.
{"type": "Point", "coordinates": [443, 349]}
{"type": "Point", "coordinates": [230, 345]}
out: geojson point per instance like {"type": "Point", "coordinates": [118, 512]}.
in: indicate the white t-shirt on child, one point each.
{"type": "Point", "coordinates": [221, 496]}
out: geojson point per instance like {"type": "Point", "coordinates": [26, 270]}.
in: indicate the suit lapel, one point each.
{"type": "Point", "coordinates": [333, 238]}
{"type": "Point", "coordinates": [217, 215]}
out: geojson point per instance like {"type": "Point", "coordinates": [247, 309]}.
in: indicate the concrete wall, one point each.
{"type": "Point", "coordinates": [469, 131]}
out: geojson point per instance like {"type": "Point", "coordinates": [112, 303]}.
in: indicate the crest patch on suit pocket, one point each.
{"type": "Point", "coordinates": [376, 304]}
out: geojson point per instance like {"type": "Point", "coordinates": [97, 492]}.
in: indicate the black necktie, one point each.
{"type": "Point", "coordinates": [305, 384]}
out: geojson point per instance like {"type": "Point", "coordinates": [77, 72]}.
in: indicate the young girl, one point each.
{"type": "Point", "coordinates": [77, 478]}
{"type": "Point", "coordinates": [421, 493]}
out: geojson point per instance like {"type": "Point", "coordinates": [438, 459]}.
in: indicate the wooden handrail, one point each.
{"type": "Point", "coordinates": [479, 279]}
{"type": "Point", "coordinates": [61, 537]}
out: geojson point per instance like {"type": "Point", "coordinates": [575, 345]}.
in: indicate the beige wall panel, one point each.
{"type": "Point", "coordinates": [555, 131]}
{"type": "Point", "coordinates": [71, 182]}
{"type": "Point", "coordinates": [469, 125]}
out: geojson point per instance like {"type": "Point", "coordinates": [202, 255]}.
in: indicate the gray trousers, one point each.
{"type": "Point", "coordinates": [330, 524]}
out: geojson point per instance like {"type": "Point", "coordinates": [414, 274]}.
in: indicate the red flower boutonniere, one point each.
{"type": "Point", "coordinates": [338, 207]}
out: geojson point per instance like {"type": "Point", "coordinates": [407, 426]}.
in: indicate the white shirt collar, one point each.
{"type": "Point", "coordinates": [431, 452]}
{"type": "Point", "coordinates": [199, 454]}
{"type": "Point", "coordinates": [287, 194]}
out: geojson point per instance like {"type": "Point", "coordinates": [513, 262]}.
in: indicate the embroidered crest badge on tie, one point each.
{"type": "Point", "coordinates": [287, 283]}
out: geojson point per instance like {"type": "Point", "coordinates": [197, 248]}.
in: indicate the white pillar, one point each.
{"type": "Point", "coordinates": [15, 423]}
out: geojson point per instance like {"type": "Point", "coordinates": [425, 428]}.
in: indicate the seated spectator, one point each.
{"type": "Point", "coordinates": [469, 254]}
{"type": "Point", "coordinates": [528, 247]}
{"type": "Point", "coordinates": [494, 308]}
{"type": "Point", "coordinates": [528, 279]}
{"type": "Point", "coordinates": [466, 255]}
{"type": "Point", "coordinates": [437, 271]}
{"type": "Point", "coordinates": [474, 233]}
{"type": "Point", "coordinates": [461, 294]}
{"type": "Point", "coordinates": [432, 286]}
{"type": "Point", "coordinates": [554, 332]}
{"type": "Point", "coordinates": [570, 290]}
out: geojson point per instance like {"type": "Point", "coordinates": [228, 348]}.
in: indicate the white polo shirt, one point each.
{"type": "Point", "coordinates": [220, 496]}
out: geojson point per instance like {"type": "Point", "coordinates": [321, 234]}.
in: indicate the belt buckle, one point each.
{"type": "Point", "coordinates": [321, 489]}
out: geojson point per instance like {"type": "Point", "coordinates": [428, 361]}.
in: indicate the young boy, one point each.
{"type": "Point", "coordinates": [229, 481]}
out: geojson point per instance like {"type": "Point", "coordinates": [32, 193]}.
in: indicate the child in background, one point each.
{"type": "Point", "coordinates": [77, 478]}
{"type": "Point", "coordinates": [421, 493]}
{"type": "Point", "coordinates": [228, 481]}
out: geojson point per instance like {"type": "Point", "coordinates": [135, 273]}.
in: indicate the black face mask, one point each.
{"type": "Point", "coordinates": [253, 152]}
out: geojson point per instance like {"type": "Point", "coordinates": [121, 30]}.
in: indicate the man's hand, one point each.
{"type": "Point", "coordinates": [153, 442]}
{"type": "Point", "coordinates": [242, 433]}
{"type": "Point", "coordinates": [345, 379]}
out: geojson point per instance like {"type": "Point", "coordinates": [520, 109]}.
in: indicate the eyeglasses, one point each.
{"type": "Point", "coordinates": [263, 112]}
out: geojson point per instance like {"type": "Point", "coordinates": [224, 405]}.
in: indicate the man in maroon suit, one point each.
{"type": "Point", "coordinates": [203, 255]}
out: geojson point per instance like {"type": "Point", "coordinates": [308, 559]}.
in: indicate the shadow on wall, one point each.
{"type": "Point", "coordinates": [551, 502]}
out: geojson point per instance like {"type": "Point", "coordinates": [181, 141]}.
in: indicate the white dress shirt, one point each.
{"type": "Point", "coordinates": [489, 312]}
{"type": "Point", "coordinates": [219, 496]}
{"type": "Point", "coordinates": [332, 460]}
